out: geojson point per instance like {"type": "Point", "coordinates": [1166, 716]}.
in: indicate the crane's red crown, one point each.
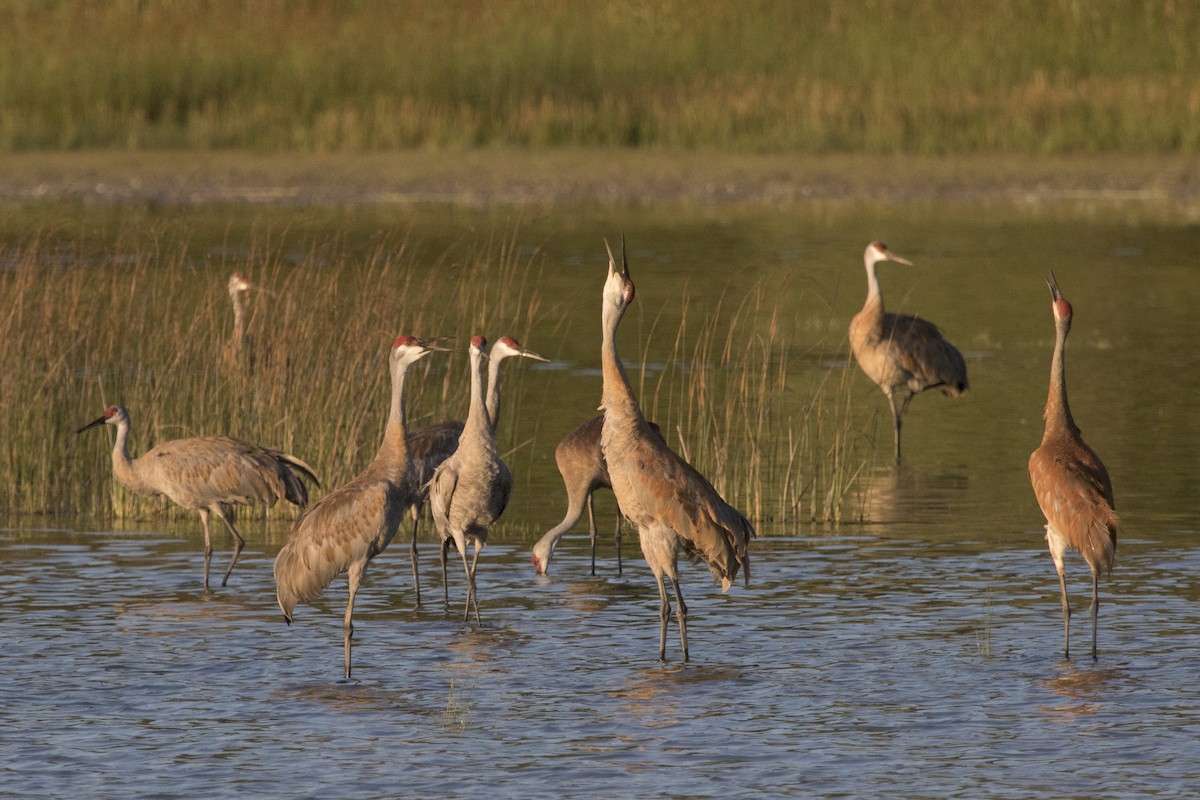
{"type": "Point", "coordinates": [509, 342]}
{"type": "Point", "coordinates": [110, 412]}
{"type": "Point", "coordinates": [404, 341]}
{"type": "Point", "coordinates": [478, 342]}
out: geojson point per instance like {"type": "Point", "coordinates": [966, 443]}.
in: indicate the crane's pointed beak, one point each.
{"type": "Point", "coordinates": [433, 343]}
{"type": "Point", "coordinates": [533, 355]}
{"type": "Point", "coordinates": [1052, 282]}
{"type": "Point", "coordinates": [899, 259]}
{"type": "Point", "coordinates": [92, 424]}
{"type": "Point", "coordinates": [624, 260]}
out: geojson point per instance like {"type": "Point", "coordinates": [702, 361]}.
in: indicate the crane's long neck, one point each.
{"type": "Point", "coordinates": [395, 432]}
{"type": "Point", "coordinates": [493, 388]}
{"type": "Point", "coordinates": [1058, 411]}
{"type": "Point", "coordinates": [874, 302]}
{"type": "Point", "coordinates": [478, 427]}
{"type": "Point", "coordinates": [617, 396]}
{"type": "Point", "coordinates": [239, 319]}
{"type": "Point", "coordinates": [125, 466]}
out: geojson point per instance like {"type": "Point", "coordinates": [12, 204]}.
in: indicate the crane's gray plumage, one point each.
{"type": "Point", "coordinates": [674, 508]}
{"type": "Point", "coordinates": [899, 352]}
{"type": "Point", "coordinates": [433, 444]}
{"type": "Point", "coordinates": [206, 474]}
{"type": "Point", "coordinates": [470, 489]}
{"type": "Point", "coordinates": [580, 461]}
{"type": "Point", "coordinates": [354, 523]}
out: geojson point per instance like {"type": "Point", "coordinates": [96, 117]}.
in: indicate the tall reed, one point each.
{"type": "Point", "coordinates": [142, 318]}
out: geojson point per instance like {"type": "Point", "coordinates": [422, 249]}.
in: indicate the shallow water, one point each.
{"type": "Point", "coordinates": [914, 653]}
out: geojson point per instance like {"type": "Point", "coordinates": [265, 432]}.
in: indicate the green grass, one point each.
{"type": "Point", "coordinates": [138, 314]}
{"type": "Point", "coordinates": [937, 76]}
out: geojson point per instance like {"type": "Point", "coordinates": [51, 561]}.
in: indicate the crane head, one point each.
{"type": "Point", "coordinates": [878, 251]}
{"type": "Point", "coordinates": [478, 344]}
{"type": "Point", "coordinates": [111, 415]}
{"type": "Point", "coordinates": [1058, 303]}
{"type": "Point", "coordinates": [412, 349]}
{"type": "Point", "coordinates": [507, 346]}
{"type": "Point", "coordinates": [238, 282]}
{"type": "Point", "coordinates": [621, 283]}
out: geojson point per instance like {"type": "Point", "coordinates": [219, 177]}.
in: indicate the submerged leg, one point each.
{"type": "Point", "coordinates": [1095, 608]}
{"type": "Point", "coordinates": [1056, 553]}
{"type": "Point", "coordinates": [238, 543]}
{"type": "Point", "coordinates": [618, 538]}
{"type": "Point", "coordinates": [207, 544]}
{"type": "Point", "coordinates": [445, 583]}
{"type": "Point", "coordinates": [353, 579]}
{"type": "Point", "coordinates": [415, 511]}
{"type": "Point", "coordinates": [470, 583]}
{"type": "Point", "coordinates": [592, 529]}
{"type": "Point", "coordinates": [664, 613]}
{"type": "Point", "coordinates": [895, 424]}
{"type": "Point", "coordinates": [474, 593]}
{"type": "Point", "coordinates": [681, 613]}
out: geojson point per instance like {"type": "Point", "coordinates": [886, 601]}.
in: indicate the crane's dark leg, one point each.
{"type": "Point", "coordinates": [618, 538]}
{"type": "Point", "coordinates": [1066, 607]}
{"type": "Point", "coordinates": [895, 424]}
{"type": "Point", "coordinates": [445, 583]}
{"type": "Point", "coordinates": [664, 613]}
{"type": "Point", "coordinates": [207, 544]}
{"type": "Point", "coordinates": [681, 614]}
{"type": "Point", "coordinates": [353, 579]}
{"type": "Point", "coordinates": [470, 584]}
{"type": "Point", "coordinates": [474, 594]}
{"type": "Point", "coordinates": [238, 543]}
{"type": "Point", "coordinates": [592, 529]}
{"type": "Point", "coordinates": [1095, 608]}
{"type": "Point", "coordinates": [415, 511]}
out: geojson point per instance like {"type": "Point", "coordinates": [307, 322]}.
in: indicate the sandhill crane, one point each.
{"type": "Point", "coordinates": [470, 489]}
{"type": "Point", "coordinates": [1071, 483]}
{"type": "Point", "coordinates": [433, 444]}
{"type": "Point", "coordinates": [206, 474]}
{"type": "Point", "coordinates": [581, 464]}
{"type": "Point", "coordinates": [238, 284]}
{"type": "Point", "coordinates": [352, 524]}
{"type": "Point", "coordinates": [900, 352]}
{"type": "Point", "coordinates": [674, 508]}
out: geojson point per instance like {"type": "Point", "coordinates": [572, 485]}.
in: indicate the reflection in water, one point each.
{"type": "Point", "coordinates": [1086, 688]}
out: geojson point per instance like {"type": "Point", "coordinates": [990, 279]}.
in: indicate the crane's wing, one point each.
{"type": "Point", "coordinates": [441, 489]}
{"type": "Point", "coordinates": [921, 351]}
{"type": "Point", "coordinates": [203, 470]}
{"type": "Point", "coordinates": [430, 446]}
{"type": "Point", "coordinates": [1075, 495]}
{"type": "Point", "coordinates": [682, 499]}
{"type": "Point", "coordinates": [348, 525]}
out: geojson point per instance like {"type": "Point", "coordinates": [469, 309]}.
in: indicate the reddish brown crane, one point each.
{"type": "Point", "coordinates": [676, 511]}
{"type": "Point", "coordinates": [899, 352]}
{"type": "Point", "coordinates": [1070, 481]}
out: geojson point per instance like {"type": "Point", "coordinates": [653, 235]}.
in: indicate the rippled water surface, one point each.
{"type": "Point", "coordinates": [915, 652]}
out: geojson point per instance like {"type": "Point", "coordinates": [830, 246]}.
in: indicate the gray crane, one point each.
{"type": "Point", "coordinates": [354, 523]}
{"type": "Point", "coordinates": [581, 464]}
{"type": "Point", "coordinates": [675, 509]}
{"type": "Point", "coordinates": [900, 352]}
{"type": "Point", "coordinates": [469, 490]}
{"type": "Point", "coordinates": [235, 348]}
{"type": "Point", "coordinates": [207, 474]}
{"type": "Point", "coordinates": [433, 444]}
{"type": "Point", "coordinates": [1071, 483]}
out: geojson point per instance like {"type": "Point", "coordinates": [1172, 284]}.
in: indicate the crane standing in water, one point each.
{"type": "Point", "coordinates": [433, 444]}
{"type": "Point", "coordinates": [352, 524]}
{"type": "Point", "coordinates": [674, 508]}
{"type": "Point", "coordinates": [900, 352]}
{"type": "Point", "coordinates": [581, 464]}
{"type": "Point", "coordinates": [1072, 486]}
{"type": "Point", "coordinates": [206, 474]}
{"type": "Point", "coordinates": [470, 489]}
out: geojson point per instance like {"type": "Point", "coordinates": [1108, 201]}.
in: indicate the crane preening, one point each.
{"type": "Point", "coordinates": [206, 474]}
{"type": "Point", "coordinates": [1071, 484]}
{"type": "Point", "coordinates": [675, 509]}
{"type": "Point", "coordinates": [899, 352]}
{"type": "Point", "coordinates": [352, 524]}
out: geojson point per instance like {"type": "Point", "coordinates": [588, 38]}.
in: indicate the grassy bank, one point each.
{"type": "Point", "coordinates": [1022, 76]}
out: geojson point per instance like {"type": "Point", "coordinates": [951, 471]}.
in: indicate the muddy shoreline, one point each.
{"type": "Point", "coordinates": [609, 178]}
